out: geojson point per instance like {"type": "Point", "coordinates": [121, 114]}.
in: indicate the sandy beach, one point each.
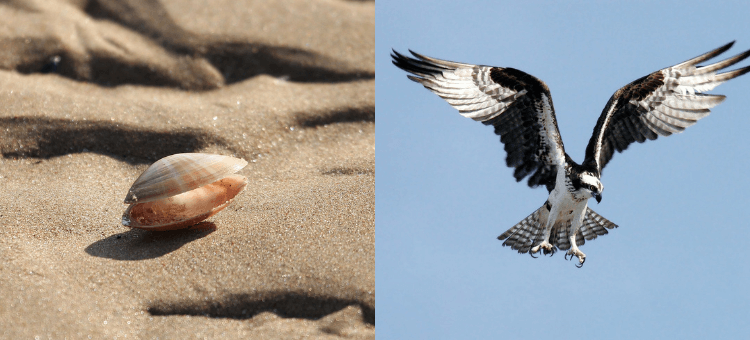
{"type": "Point", "coordinates": [93, 92]}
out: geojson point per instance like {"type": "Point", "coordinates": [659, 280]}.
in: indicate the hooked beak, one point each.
{"type": "Point", "coordinates": [598, 198]}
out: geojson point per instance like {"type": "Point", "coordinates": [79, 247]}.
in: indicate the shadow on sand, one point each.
{"type": "Point", "coordinates": [49, 137]}
{"type": "Point", "coordinates": [246, 306]}
{"type": "Point", "coordinates": [137, 244]}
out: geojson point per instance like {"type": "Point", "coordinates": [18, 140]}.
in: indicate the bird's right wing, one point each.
{"type": "Point", "coordinates": [517, 104]}
{"type": "Point", "coordinates": [661, 103]}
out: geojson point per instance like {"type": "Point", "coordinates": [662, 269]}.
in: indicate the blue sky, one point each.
{"type": "Point", "coordinates": [677, 267]}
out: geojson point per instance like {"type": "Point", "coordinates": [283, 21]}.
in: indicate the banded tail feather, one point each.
{"type": "Point", "coordinates": [528, 231]}
{"type": "Point", "coordinates": [524, 234]}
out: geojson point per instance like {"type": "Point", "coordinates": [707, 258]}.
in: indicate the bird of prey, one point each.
{"type": "Point", "coordinates": [520, 108]}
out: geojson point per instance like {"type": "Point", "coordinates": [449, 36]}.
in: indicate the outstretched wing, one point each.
{"type": "Point", "coordinates": [517, 104]}
{"type": "Point", "coordinates": [661, 103]}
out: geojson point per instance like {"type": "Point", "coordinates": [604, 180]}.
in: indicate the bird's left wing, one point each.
{"type": "Point", "coordinates": [661, 103]}
{"type": "Point", "coordinates": [517, 104]}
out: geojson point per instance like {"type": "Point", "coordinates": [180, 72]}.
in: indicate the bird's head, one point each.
{"type": "Point", "coordinates": [591, 185]}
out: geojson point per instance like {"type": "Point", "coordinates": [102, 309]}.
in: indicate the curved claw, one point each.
{"type": "Point", "coordinates": [582, 262]}
{"type": "Point", "coordinates": [532, 255]}
{"type": "Point", "coordinates": [566, 257]}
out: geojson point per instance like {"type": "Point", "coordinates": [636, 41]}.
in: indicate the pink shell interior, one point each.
{"type": "Point", "coordinates": [186, 209]}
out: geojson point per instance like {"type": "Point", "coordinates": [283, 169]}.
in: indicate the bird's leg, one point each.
{"type": "Point", "coordinates": [545, 246]}
{"type": "Point", "coordinates": [574, 251]}
{"type": "Point", "coordinates": [575, 227]}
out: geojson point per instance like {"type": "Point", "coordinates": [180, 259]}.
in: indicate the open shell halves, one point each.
{"type": "Point", "coordinates": [181, 190]}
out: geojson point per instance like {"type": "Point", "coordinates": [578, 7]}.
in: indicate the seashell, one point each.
{"type": "Point", "coordinates": [181, 190]}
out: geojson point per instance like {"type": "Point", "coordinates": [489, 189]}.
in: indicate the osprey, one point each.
{"type": "Point", "coordinates": [520, 108]}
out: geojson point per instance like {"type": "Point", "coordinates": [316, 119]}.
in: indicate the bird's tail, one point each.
{"type": "Point", "coordinates": [530, 230]}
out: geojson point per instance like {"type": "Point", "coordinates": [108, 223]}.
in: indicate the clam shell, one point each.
{"type": "Point", "coordinates": [179, 173]}
{"type": "Point", "coordinates": [185, 209]}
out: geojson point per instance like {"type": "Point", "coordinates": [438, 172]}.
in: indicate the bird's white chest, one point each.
{"type": "Point", "coordinates": [565, 200]}
{"type": "Point", "coordinates": [567, 205]}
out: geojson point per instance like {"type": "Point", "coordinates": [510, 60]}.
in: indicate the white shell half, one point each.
{"type": "Point", "coordinates": [179, 173]}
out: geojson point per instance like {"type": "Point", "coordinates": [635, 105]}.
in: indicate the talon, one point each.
{"type": "Point", "coordinates": [544, 247]}
{"type": "Point", "coordinates": [582, 261]}
{"type": "Point", "coordinates": [532, 255]}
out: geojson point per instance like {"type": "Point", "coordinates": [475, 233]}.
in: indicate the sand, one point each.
{"type": "Point", "coordinates": [92, 92]}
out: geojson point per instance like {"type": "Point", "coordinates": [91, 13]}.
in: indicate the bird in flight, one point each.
{"type": "Point", "coordinates": [520, 108]}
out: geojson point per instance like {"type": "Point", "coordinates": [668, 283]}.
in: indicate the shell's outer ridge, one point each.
{"type": "Point", "coordinates": [181, 173]}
